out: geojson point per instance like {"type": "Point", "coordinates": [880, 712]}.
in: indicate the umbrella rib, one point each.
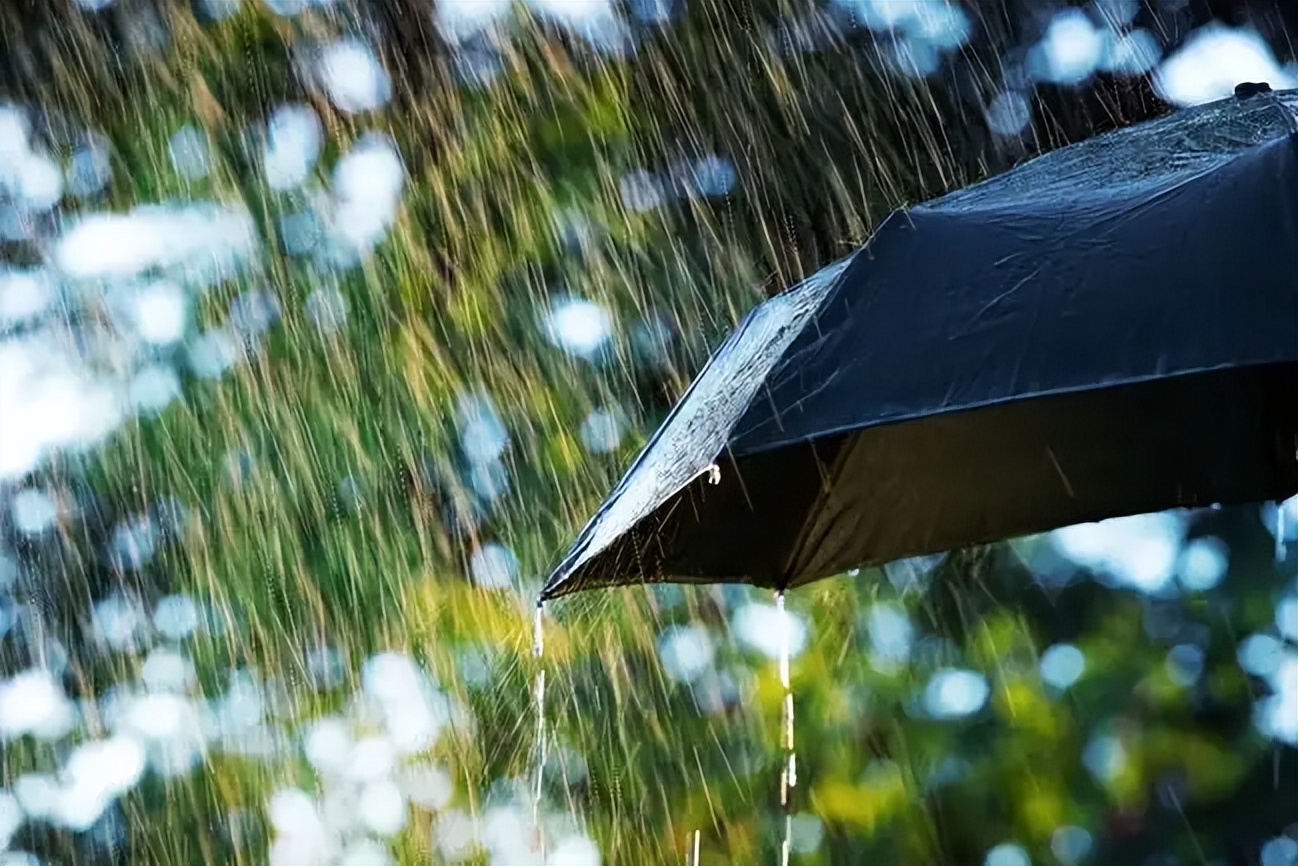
{"type": "Point", "coordinates": [828, 479]}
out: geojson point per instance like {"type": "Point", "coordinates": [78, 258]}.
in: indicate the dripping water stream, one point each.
{"type": "Point", "coordinates": [538, 689]}
{"type": "Point", "coordinates": [1281, 553]}
{"type": "Point", "coordinates": [789, 771]}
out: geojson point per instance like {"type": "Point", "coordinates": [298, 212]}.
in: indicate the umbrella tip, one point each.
{"type": "Point", "coordinates": [1248, 89]}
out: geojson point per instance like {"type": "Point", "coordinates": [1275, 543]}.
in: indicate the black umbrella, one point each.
{"type": "Point", "coordinates": [1106, 330]}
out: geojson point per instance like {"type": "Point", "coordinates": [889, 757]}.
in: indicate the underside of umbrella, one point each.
{"type": "Point", "coordinates": [1109, 329]}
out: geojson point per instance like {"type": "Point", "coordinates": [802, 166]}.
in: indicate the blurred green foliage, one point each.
{"type": "Point", "coordinates": [824, 144]}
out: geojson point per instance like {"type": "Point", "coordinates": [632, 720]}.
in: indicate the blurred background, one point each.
{"type": "Point", "coordinates": [324, 325]}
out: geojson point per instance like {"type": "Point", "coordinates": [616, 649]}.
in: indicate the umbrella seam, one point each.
{"type": "Point", "coordinates": [1001, 401]}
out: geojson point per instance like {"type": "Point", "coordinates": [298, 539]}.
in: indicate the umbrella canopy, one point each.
{"type": "Point", "coordinates": [1108, 329]}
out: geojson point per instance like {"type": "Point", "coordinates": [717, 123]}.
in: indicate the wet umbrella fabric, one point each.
{"type": "Point", "coordinates": [1108, 329]}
